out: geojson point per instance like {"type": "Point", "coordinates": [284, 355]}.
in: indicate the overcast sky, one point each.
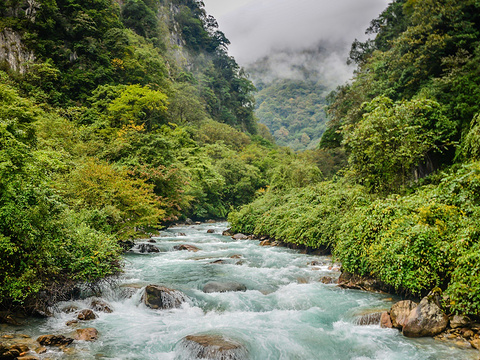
{"type": "Point", "coordinates": [257, 28]}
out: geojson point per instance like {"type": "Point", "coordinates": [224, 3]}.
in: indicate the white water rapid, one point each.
{"type": "Point", "coordinates": [285, 313]}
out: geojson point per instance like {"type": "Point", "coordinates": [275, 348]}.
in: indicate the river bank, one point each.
{"type": "Point", "coordinates": [286, 312]}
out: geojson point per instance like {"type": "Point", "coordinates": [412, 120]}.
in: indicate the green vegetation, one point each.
{"type": "Point", "coordinates": [405, 209]}
{"type": "Point", "coordinates": [113, 132]}
{"type": "Point", "coordinates": [293, 110]}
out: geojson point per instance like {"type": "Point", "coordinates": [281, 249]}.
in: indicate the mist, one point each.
{"type": "Point", "coordinates": [289, 35]}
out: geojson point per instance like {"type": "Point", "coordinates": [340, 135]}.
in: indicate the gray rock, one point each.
{"type": "Point", "coordinates": [215, 347]}
{"type": "Point", "coordinates": [159, 297]}
{"type": "Point", "coordinates": [86, 314]}
{"type": "Point", "coordinates": [240, 237]}
{"type": "Point", "coordinates": [214, 286]}
{"type": "Point", "coordinates": [427, 319]}
{"type": "Point", "coordinates": [459, 321]}
{"type": "Point", "coordinates": [147, 248]}
{"type": "Point", "coordinates": [400, 311]}
{"type": "Point", "coordinates": [186, 247]}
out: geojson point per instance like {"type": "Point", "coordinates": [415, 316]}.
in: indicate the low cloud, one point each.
{"type": "Point", "coordinates": [292, 33]}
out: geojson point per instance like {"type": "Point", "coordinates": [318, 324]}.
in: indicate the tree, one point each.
{"type": "Point", "coordinates": [393, 138]}
{"type": "Point", "coordinates": [138, 105]}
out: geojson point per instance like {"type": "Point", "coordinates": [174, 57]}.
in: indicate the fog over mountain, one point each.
{"type": "Point", "coordinates": [292, 37]}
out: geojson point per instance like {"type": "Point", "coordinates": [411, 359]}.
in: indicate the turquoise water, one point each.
{"type": "Point", "coordinates": [286, 313]}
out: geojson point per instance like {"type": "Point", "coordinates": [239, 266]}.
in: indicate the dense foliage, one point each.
{"type": "Point", "coordinates": [406, 207]}
{"type": "Point", "coordinates": [132, 116]}
{"type": "Point", "coordinates": [293, 110]}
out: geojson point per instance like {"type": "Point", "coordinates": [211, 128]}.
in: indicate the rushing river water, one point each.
{"type": "Point", "coordinates": [286, 313]}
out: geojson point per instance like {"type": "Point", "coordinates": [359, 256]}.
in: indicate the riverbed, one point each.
{"type": "Point", "coordinates": [285, 313]}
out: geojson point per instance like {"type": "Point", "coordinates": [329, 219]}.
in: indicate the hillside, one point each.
{"type": "Point", "coordinates": [291, 98]}
{"type": "Point", "coordinates": [117, 118]}
{"type": "Point", "coordinates": [405, 208]}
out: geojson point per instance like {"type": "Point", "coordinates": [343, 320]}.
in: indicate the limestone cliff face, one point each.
{"type": "Point", "coordinates": [13, 52]}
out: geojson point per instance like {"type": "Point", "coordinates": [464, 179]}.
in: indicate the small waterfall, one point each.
{"type": "Point", "coordinates": [211, 347]}
{"type": "Point", "coordinates": [368, 319]}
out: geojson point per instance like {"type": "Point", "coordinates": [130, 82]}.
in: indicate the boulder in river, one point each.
{"type": "Point", "coordinates": [227, 232]}
{"type": "Point", "coordinates": [400, 311]}
{"type": "Point", "coordinates": [210, 231]}
{"type": "Point", "coordinates": [54, 340]}
{"type": "Point", "coordinates": [186, 247]}
{"type": "Point", "coordinates": [386, 321]}
{"type": "Point", "coordinates": [215, 286]}
{"type": "Point", "coordinates": [88, 334]}
{"type": "Point", "coordinates": [146, 248]}
{"type": "Point", "coordinates": [240, 237]}
{"type": "Point", "coordinates": [160, 297]}
{"type": "Point", "coordinates": [189, 222]}
{"type": "Point", "coordinates": [86, 314]}
{"type": "Point", "coordinates": [213, 347]}
{"type": "Point", "coordinates": [427, 319]}
{"type": "Point", "coordinates": [100, 305]}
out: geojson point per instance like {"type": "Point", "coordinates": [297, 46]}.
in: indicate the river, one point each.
{"type": "Point", "coordinates": [286, 313]}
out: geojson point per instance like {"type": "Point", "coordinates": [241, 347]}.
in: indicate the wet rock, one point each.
{"type": "Point", "coordinates": [27, 357]}
{"type": "Point", "coordinates": [385, 321]}
{"type": "Point", "coordinates": [458, 321]}
{"type": "Point", "coordinates": [41, 350]}
{"type": "Point", "coordinates": [327, 280]}
{"type": "Point", "coordinates": [186, 247]}
{"type": "Point", "coordinates": [427, 319]}
{"type": "Point", "coordinates": [152, 241]}
{"type": "Point", "coordinates": [88, 334]}
{"type": "Point", "coordinates": [159, 297]}
{"type": "Point", "coordinates": [369, 319]}
{"type": "Point", "coordinates": [240, 237]}
{"type": "Point", "coordinates": [211, 221]}
{"type": "Point", "coordinates": [215, 347]}
{"type": "Point", "coordinates": [265, 243]}
{"type": "Point", "coordinates": [100, 305]}
{"type": "Point", "coordinates": [70, 309]}
{"type": "Point", "coordinates": [210, 231]}
{"type": "Point", "coordinates": [181, 234]}
{"type": "Point", "coordinates": [54, 340]}
{"type": "Point", "coordinates": [400, 311]}
{"type": "Point", "coordinates": [9, 353]}
{"type": "Point", "coordinates": [475, 343]}
{"type": "Point", "coordinates": [218, 262]}
{"type": "Point", "coordinates": [86, 315]}
{"type": "Point", "coordinates": [236, 256]}
{"type": "Point", "coordinates": [188, 222]}
{"type": "Point", "coordinates": [302, 280]}
{"type": "Point", "coordinates": [22, 348]}
{"type": "Point", "coordinates": [146, 248]}
{"type": "Point", "coordinates": [467, 334]}
{"type": "Point", "coordinates": [71, 322]}
{"type": "Point", "coordinates": [214, 286]}
{"type": "Point", "coordinates": [227, 232]}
